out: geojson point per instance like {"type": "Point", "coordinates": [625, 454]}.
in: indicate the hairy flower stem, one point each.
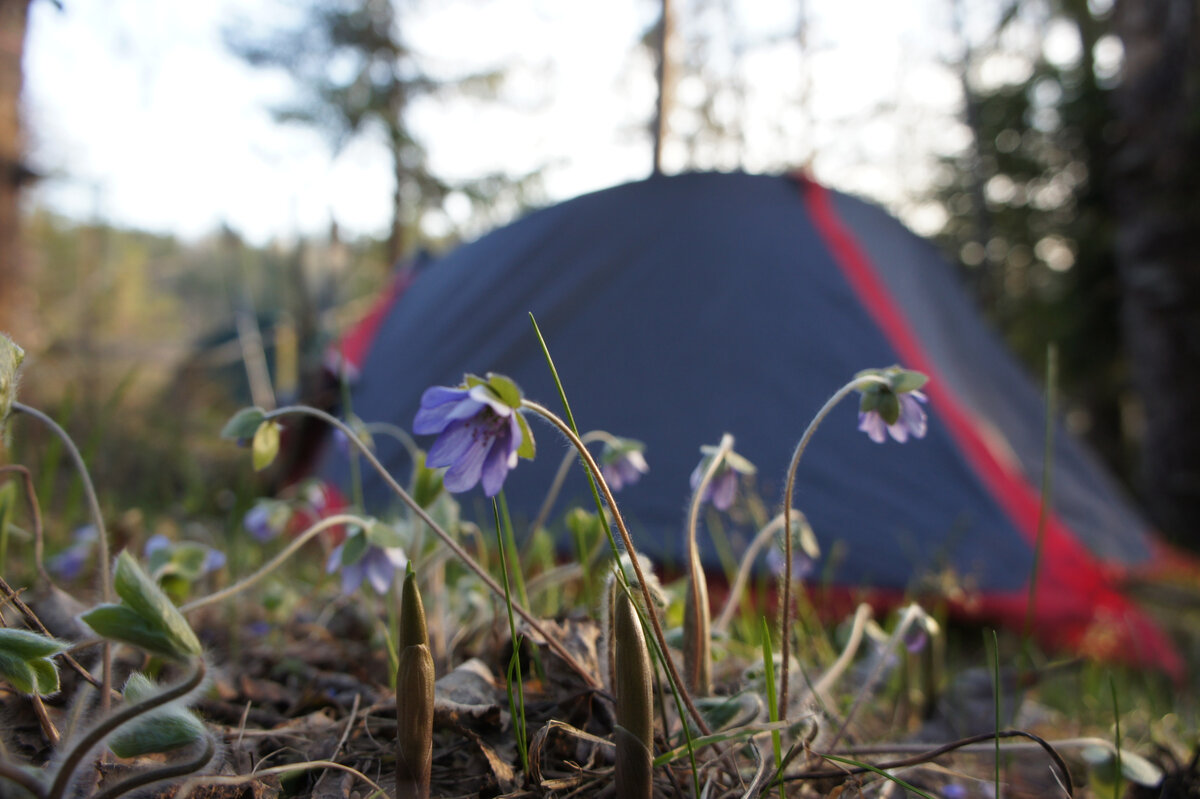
{"type": "Point", "coordinates": [561, 475]}
{"type": "Point", "coordinates": [697, 617]}
{"type": "Point", "coordinates": [97, 734]}
{"type": "Point", "coordinates": [93, 501]}
{"type": "Point", "coordinates": [468, 561]}
{"type": "Point", "coordinates": [275, 562]}
{"type": "Point", "coordinates": [785, 621]}
{"type": "Point", "coordinates": [743, 576]}
{"type": "Point", "coordinates": [651, 613]}
{"type": "Point", "coordinates": [24, 779]}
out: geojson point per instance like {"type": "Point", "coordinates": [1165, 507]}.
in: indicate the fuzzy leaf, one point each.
{"type": "Point", "coordinates": [266, 445]}
{"type": "Point", "coordinates": [45, 675]}
{"type": "Point", "coordinates": [504, 389]}
{"type": "Point", "coordinates": [18, 672]}
{"type": "Point", "coordinates": [528, 448]}
{"type": "Point", "coordinates": [157, 731]}
{"type": "Point", "coordinates": [905, 380]}
{"type": "Point", "coordinates": [25, 644]}
{"type": "Point", "coordinates": [121, 623]}
{"type": "Point", "coordinates": [243, 424]}
{"type": "Point", "coordinates": [147, 600]}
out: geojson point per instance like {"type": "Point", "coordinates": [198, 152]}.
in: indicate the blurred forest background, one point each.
{"type": "Point", "coordinates": [1066, 191]}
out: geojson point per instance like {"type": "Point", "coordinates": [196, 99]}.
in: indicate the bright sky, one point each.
{"type": "Point", "coordinates": [139, 115]}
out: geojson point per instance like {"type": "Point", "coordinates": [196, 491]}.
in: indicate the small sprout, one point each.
{"type": "Point", "coordinates": [25, 661]}
{"type": "Point", "coordinates": [480, 431]}
{"type": "Point", "coordinates": [145, 618]}
{"type": "Point", "coordinates": [697, 636]}
{"type": "Point", "coordinates": [414, 697]}
{"type": "Point", "coordinates": [634, 733]}
{"type": "Point", "coordinates": [162, 729]}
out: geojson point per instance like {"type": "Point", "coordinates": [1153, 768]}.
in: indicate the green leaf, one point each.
{"type": "Point", "coordinates": [45, 676]}
{"type": "Point", "coordinates": [354, 547]}
{"type": "Point", "coordinates": [156, 731]}
{"type": "Point", "coordinates": [427, 483]}
{"type": "Point", "coordinates": [18, 672]}
{"type": "Point", "coordinates": [505, 389]}
{"type": "Point", "coordinates": [386, 535]}
{"type": "Point", "coordinates": [266, 444]}
{"type": "Point", "coordinates": [138, 687]}
{"type": "Point", "coordinates": [905, 380]}
{"type": "Point", "coordinates": [147, 600]}
{"type": "Point", "coordinates": [243, 424]}
{"type": "Point", "coordinates": [528, 448]}
{"type": "Point", "coordinates": [889, 407]}
{"type": "Point", "coordinates": [470, 381]}
{"type": "Point", "coordinates": [25, 644]}
{"type": "Point", "coordinates": [185, 559]}
{"type": "Point", "coordinates": [121, 623]}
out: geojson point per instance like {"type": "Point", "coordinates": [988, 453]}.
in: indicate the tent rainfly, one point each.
{"type": "Point", "coordinates": [680, 308]}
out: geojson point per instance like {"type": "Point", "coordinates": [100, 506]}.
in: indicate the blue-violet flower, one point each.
{"type": "Point", "coordinates": [377, 565]}
{"type": "Point", "coordinates": [891, 404]}
{"type": "Point", "coordinates": [622, 463]}
{"type": "Point", "coordinates": [480, 433]}
{"type": "Point", "coordinates": [723, 486]}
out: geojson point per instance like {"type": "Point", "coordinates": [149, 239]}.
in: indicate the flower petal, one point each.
{"type": "Point", "coordinates": [464, 473]}
{"type": "Point", "coordinates": [453, 443]}
{"type": "Point", "coordinates": [871, 423]}
{"type": "Point", "coordinates": [440, 406]}
{"type": "Point", "coordinates": [912, 415]}
{"type": "Point", "coordinates": [379, 570]}
{"type": "Point", "coordinates": [499, 460]}
{"type": "Point", "coordinates": [723, 488]}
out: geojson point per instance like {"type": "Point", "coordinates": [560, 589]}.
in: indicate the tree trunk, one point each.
{"type": "Point", "coordinates": [15, 301]}
{"type": "Point", "coordinates": [1157, 204]}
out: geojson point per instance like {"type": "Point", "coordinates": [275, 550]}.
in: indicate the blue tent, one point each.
{"type": "Point", "coordinates": [681, 308]}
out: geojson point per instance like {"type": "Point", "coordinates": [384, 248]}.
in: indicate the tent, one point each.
{"type": "Point", "coordinates": [680, 308]}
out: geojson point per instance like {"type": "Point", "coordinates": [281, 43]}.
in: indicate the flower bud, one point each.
{"type": "Point", "coordinates": [635, 705]}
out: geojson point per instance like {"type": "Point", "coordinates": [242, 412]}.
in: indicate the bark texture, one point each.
{"type": "Point", "coordinates": [1157, 201]}
{"type": "Point", "coordinates": [14, 293]}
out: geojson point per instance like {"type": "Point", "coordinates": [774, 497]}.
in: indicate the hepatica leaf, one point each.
{"type": "Point", "coordinates": [146, 617]}
{"type": "Point", "coordinates": [244, 424]}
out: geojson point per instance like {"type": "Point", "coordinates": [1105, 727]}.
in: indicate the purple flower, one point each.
{"type": "Point", "coordinates": [803, 564]}
{"type": "Point", "coordinates": [377, 565]}
{"type": "Point", "coordinates": [910, 421]}
{"type": "Point", "coordinates": [480, 434]}
{"type": "Point", "coordinates": [68, 564]}
{"type": "Point", "coordinates": [722, 487]}
{"type": "Point", "coordinates": [622, 463]}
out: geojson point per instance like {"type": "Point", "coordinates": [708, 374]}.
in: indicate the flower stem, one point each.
{"type": "Point", "coordinates": [561, 475]}
{"type": "Point", "coordinates": [95, 735]}
{"type": "Point", "coordinates": [93, 501]}
{"type": "Point", "coordinates": [651, 613]}
{"type": "Point", "coordinates": [275, 562]}
{"type": "Point", "coordinates": [697, 627]}
{"type": "Point", "coordinates": [470, 562]}
{"type": "Point", "coordinates": [785, 638]}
